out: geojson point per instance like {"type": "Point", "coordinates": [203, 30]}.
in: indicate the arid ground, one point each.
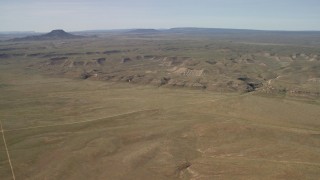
{"type": "Point", "coordinates": [157, 107]}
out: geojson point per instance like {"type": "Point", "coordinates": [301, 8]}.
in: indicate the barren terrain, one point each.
{"type": "Point", "coordinates": [159, 107]}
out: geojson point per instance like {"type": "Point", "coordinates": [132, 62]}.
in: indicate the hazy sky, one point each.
{"type": "Point", "coordinates": [72, 15]}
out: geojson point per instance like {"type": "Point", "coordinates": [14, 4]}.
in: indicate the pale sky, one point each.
{"type": "Point", "coordinates": [75, 15]}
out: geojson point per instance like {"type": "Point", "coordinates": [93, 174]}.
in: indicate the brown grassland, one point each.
{"type": "Point", "coordinates": [124, 121]}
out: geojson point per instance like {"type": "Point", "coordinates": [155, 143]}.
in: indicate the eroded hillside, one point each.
{"type": "Point", "coordinates": [191, 62]}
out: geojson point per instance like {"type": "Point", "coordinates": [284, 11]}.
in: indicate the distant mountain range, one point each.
{"type": "Point", "coordinates": [143, 31]}
{"type": "Point", "coordinates": [212, 32]}
{"type": "Point", "coordinates": [53, 35]}
{"type": "Point", "coordinates": [235, 31]}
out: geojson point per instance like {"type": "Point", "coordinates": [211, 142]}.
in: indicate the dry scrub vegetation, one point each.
{"type": "Point", "coordinates": [139, 108]}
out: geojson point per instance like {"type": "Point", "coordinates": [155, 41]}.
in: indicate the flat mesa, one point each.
{"type": "Point", "coordinates": [58, 34]}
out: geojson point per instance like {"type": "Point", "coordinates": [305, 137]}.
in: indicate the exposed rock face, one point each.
{"type": "Point", "coordinates": [232, 74]}
{"type": "Point", "coordinates": [252, 84]}
{"type": "Point", "coordinates": [164, 80]}
{"type": "Point", "coordinates": [124, 60]}
{"type": "Point", "coordinates": [85, 75]}
{"type": "Point", "coordinates": [101, 60]}
{"type": "Point", "coordinates": [57, 60]}
{"type": "Point", "coordinates": [189, 72]}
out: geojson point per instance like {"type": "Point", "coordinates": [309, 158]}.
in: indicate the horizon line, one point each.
{"type": "Point", "coordinates": [161, 29]}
